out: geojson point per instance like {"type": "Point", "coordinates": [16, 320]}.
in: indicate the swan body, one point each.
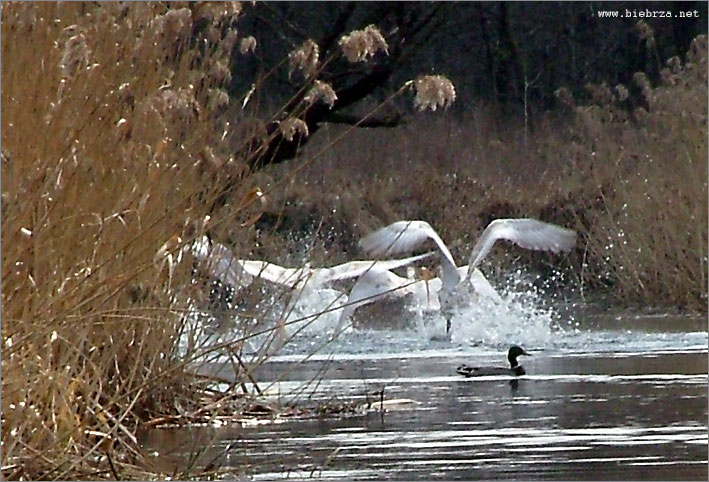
{"type": "Point", "coordinates": [378, 284]}
{"type": "Point", "coordinates": [457, 289]}
{"type": "Point", "coordinates": [218, 262]}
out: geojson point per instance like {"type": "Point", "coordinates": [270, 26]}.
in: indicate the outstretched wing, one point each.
{"type": "Point", "coordinates": [288, 277]}
{"type": "Point", "coordinates": [355, 269]}
{"type": "Point", "coordinates": [526, 233]}
{"type": "Point", "coordinates": [404, 236]}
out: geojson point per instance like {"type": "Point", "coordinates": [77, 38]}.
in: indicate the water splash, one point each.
{"type": "Point", "coordinates": [530, 315]}
{"type": "Point", "coordinates": [514, 322]}
{"type": "Point", "coordinates": [525, 317]}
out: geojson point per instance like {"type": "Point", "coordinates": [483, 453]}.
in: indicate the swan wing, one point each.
{"type": "Point", "coordinates": [273, 273]}
{"type": "Point", "coordinates": [355, 269]}
{"type": "Point", "coordinates": [483, 287]}
{"type": "Point", "coordinates": [403, 236]}
{"type": "Point", "coordinates": [373, 285]}
{"type": "Point", "coordinates": [526, 233]}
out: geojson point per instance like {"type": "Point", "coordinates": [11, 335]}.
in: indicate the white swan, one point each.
{"type": "Point", "coordinates": [219, 262]}
{"type": "Point", "coordinates": [378, 284]}
{"type": "Point", "coordinates": [456, 288]}
{"type": "Point", "coordinates": [314, 278]}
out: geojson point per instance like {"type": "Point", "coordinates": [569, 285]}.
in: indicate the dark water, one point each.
{"type": "Point", "coordinates": [596, 404]}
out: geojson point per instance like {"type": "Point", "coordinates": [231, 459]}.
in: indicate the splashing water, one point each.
{"type": "Point", "coordinates": [515, 321]}
{"type": "Point", "coordinates": [523, 319]}
{"type": "Point", "coordinates": [528, 316]}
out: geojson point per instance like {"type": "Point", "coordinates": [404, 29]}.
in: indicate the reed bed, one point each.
{"type": "Point", "coordinates": [121, 152]}
{"type": "Point", "coordinates": [628, 173]}
{"type": "Point", "coordinates": [112, 156]}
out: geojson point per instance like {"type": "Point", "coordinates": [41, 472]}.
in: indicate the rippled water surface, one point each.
{"type": "Point", "coordinates": [605, 397]}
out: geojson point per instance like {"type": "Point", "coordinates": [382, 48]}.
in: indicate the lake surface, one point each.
{"type": "Point", "coordinates": [606, 397]}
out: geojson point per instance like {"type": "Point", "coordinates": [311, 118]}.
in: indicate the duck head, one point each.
{"type": "Point", "coordinates": [512, 355]}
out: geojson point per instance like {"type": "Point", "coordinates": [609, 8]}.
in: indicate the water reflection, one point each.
{"type": "Point", "coordinates": [578, 415]}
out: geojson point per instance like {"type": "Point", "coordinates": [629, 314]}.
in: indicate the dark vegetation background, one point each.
{"type": "Point", "coordinates": [490, 50]}
{"type": "Point", "coordinates": [548, 97]}
{"type": "Point", "coordinates": [125, 124]}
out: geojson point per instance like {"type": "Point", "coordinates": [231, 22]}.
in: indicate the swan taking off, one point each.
{"type": "Point", "coordinates": [315, 278]}
{"type": "Point", "coordinates": [379, 283]}
{"type": "Point", "coordinates": [403, 236]}
{"type": "Point", "coordinates": [219, 261]}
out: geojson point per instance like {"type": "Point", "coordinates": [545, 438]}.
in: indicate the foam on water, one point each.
{"type": "Point", "coordinates": [516, 321]}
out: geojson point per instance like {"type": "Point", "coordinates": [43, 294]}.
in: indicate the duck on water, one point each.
{"type": "Point", "coordinates": [515, 368]}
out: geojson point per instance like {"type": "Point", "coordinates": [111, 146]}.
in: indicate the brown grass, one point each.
{"type": "Point", "coordinates": [110, 149]}
{"type": "Point", "coordinates": [112, 156]}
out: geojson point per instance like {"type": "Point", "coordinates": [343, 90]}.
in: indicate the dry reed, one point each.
{"type": "Point", "coordinates": [112, 158]}
{"type": "Point", "coordinates": [104, 161]}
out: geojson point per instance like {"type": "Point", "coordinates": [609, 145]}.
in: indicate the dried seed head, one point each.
{"type": "Point", "coordinates": [247, 45]}
{"type": "Point", "coordinates": [220, 73]}
{"type": "Point", "coordinates": [433, 91]}
{"type": "Point", "coordinates": [640, 114]}
{"type": "Point", "coordinates": [645, 31]}
{"type": "Point", "coordinates": [196, 77]}
{"type": "Point", "coordinates": [360, 45]}
{"type": "Point", "coordinates": [601, 94]}
{"type": "Point", "coordinates": [641, 80]}
{"type": "Point", "coordinates": [226, 45]}
{"type": "Point", "coordinates": [219, 12]}
{"type": "Point", "coordinates": [292, 126]}
{"type": "Point", "coordinates": [175, 25]}
{"type": "Point", "coordinates": [177, 105]}
{"type": "Point", "coordinates": [667, 77]}
{"type": "Point", "coordinates": [218, 99]}
{"type": "Point", "coordinates": [697, 52]}
{"type": "Point", "coordinates": [321, 91]}
{"type": "Point", "coordinates": [75, 56]}
{"type": "Point", "coordinates": [305, 58]}
{"type": "Point", "coordinates": [675, 64]}
{"type": "Point", "coordinates": [565, 97]}
{"type": "Point", "coordinates": [621, 92]}
{"type": "Point", "coordinates": [212, 34]}
{"type": "Point", "coordinates": [377, 39]}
